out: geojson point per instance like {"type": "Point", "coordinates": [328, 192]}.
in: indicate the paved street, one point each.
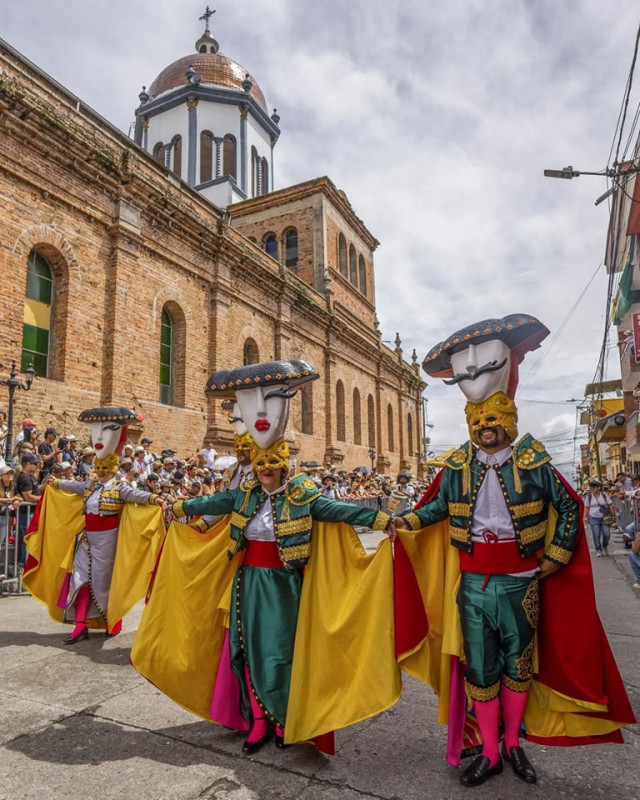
{"type": "Point", "coordinates": [81, 723]}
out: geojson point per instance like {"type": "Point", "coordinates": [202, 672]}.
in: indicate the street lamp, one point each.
{"type": "Point", "coordinates": [569, 172]}
{"type": "Point", "coordinates": [372, 456]}
{"type": "Point", "coordinates": [13, 382]}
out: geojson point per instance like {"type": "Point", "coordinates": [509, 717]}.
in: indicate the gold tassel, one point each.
{"type": "Point", "coordinates": [245, 502]}
{"type": "Point", "coordinates": [517, 485]}
{"type": "Point", "coordinates": [285, 516]}
{"type": "Point", "coordinates": [466, 479]}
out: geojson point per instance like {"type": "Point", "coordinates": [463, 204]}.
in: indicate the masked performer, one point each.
{"type": "Point", "coordinates": [302, 654]}
{"type": "Point", "coordinates": [75, 540]}
{"type": "Point", "coordinates": [515, 560]}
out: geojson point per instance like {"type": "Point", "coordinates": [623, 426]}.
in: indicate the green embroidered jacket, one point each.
{"type": "Point", "coordinates": [529, 485]}
{"type": "Point", "coordinates": [293, 512]}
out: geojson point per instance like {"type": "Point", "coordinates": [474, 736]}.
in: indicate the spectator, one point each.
{"type": "Point", "coordinates": [47, 453]}
{"type": "Point", "coordinates": [597, 509]}
{"type": "Point", "coordinates": [4, 429]}
{"type": "Point", "coordinates": [9, 502]}
{"type": "Point", "coordinates": [634, 560]}
{"type": "Point", "coordinates": [139, 460]}
{"type": "Point", "coordinates": [328, 489]}
{"type": "Point", "coordinates": [127, 452]}
{"type": "Point", "coordinates": [148, 457]}
{"type": "Point", "coordinates": [125, 467]}
{"type": "Point", "coordinates": [68, 470]}
{"type": "Point", "coordinates": [28, 488]}
{"type": "Point", "coordinates": [85, 465]}
{"type": "Point", "coordinates": [72, 451]}
{"type": "Point", "coordinates": [208, 455]}
{"type": "Point", "coordinates": [27, 425]}
{"type": "Point", "coordinates": [152, 483]}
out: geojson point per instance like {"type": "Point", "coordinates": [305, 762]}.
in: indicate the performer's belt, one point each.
{"type": "Point", "coordinates": [262, 554]}
{"type": "Point", "coordinates": [97, 522]}
{"type": "Point", "coordinates": [496, 559]}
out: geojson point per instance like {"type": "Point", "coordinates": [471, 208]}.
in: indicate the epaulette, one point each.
{"type": "Point", "coordinates": [249, 483]}
{"type": "Point", "coordinates": [529, 453]}
{"type": "Point", "coordinates": [301, 490]}
{"type": "Point", "coordinates": [461, 457]}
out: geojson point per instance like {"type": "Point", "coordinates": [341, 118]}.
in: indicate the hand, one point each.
{"type": "Point", "coordinates": [390, 530]}
{"type": "Point", "coordinates": [548, 567]}
{"type": "Point", "coordinates": [160, 502]}
{"type": "Point", "coordinates": [400, 523]}
{"type": "Point", "coordinates": [50, 480]}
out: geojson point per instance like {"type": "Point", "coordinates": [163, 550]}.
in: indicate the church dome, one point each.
{"type": "Point", "coordinates": [215, 69]}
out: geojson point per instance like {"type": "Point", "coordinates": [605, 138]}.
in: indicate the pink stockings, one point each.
{"type": "Point", "coordinates": [513, 705]}
{"type": "Point", "coordinates": [83, 598]}
{"type": "Point", "coordinates": [259, 726]}
{"type": "Point", "coordinates": [487, 713]}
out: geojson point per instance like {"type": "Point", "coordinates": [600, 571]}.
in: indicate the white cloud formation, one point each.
{"type": "Point", "coordinates": [437, 119]}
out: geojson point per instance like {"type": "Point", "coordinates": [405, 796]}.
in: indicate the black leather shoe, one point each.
{"type": "Point", "coordinates": [520, 763]}
{"type": "Point", "coordinates": [249, 748]}
{"type": "Point", "coordinates": [480, 770]}
{"type": "Point", "coordinates": [280, 742]}
{"type": "Point", "coordinates": [84, 634]}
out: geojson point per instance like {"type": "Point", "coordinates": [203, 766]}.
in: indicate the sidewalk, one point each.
{"type": "Point", "coordinates": [79, 722]}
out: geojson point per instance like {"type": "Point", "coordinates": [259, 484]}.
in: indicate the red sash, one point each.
{"type": "Point", "coordinates": [96, 522]}
{"type": "Point", "coordinates": [496, 559]}
{"type": "Point", "coordinates": [262, 554]}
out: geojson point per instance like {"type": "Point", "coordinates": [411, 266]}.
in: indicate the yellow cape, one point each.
{"type": "Point", "coordinates": [51, 548]}
{"type": "Point", "coordinates": [344, 667]}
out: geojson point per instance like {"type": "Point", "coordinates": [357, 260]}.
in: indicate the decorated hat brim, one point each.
{"type": "Point", "coordinates": [118, 414]}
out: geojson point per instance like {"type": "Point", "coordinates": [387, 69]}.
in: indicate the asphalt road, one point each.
{"type": "Point", "coordinates": [81, 723]}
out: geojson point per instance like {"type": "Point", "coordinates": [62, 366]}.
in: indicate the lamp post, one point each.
{"type": "Point", "coordinates": [567, 173]}
{"type": "Point", "coordinates": [372, 456]}
{"type": "Point", "coordinates": [13, 382]}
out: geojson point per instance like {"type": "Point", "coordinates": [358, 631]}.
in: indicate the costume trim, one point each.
{"type": "Point", "coordinates": [239, 520]}
{"type": "Point", "coordinates": [515, 686]}
{"type": "Point", "coordinates": [295, 552]}
{"type": "Point", "coordinates": [178, 509]}
{"type": "Point", "coordinates": [459, 534]}
{"type": "Point", "coordinates": [534, 533]}
{"type": "Point", "coordinates": [529, 453]}
{"type": "Point", "coordinates": [293, 526]}
{"type": "Point", "coordinates": [55, 482]}
{"type": "Point", "coordinates": [380, 521]}
{"type": "Point", "coordinates": [459, 509]}
{"type": "Point", "coordinates": [461, 457]}
{"type": "Point", "coordinates": [200, 524]}
{"type": "Point", "coordinates": [527, 509]}
{"type": "Point", "coordinates": [524, 664]}
{"type": "Point", "coordinates": [301, 490]}
{"type": "Point", "coordinates": [152, 499]}
{"type": "Point", "coordinates": [482, 694]}
{"type": "Point", "coordinates": [557, 554]}
{"type": "Point", "coordinates": [531, 603]}
{"type": "Point", "coordinates": [413, 521]}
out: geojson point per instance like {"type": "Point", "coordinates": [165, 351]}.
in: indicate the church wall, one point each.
{"type": "Point", "coordinates": [257, 137]}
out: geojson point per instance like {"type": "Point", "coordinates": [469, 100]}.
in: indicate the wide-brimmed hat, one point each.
{"type": "Point", "coordinates": [4, 469]}
{"type": "Point", "coordinates": [293, 372]}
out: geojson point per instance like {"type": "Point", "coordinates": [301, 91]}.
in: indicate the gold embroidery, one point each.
{"type": "Point", "coordinates": [531, 603]}
{"type": "Point", "coordinates": [177, 509]}
{"type": "Point", "coordinates": [538, 446]}
{"type": "Point", "coordinates": [295, 526]}
{"type": "Point", "coordinates": [534, 533]}
{"type": "Point", "coordinates": [524, 663]}
{"type": "Point", "coordinates": [459, 534]}
{"type": "Point", "coordinates": [381, 521]}
{"type": "Point", "coordinates": [413, 521]}
{"type": "Point", "coordinates": [200, 524]}
{"type": "Point", "coordinates": [152, 499]}
{"type": "Point", "coordinates": [515, 686]}
{"type": "Point", "coordinates": [308, 483]}
{"type": "Point", "coordinates": [483, 693]}
{"type": "Point", "coordinates": [459, 509]}
{"type": "Point", "coordinates": [526, 457]}
{"type": "Point", "coordinates": [239, 521]}
{"type": "Point", "coordinates": [296, 552]}
{"type": "Point", "coordinates": [526, 509]}
{"type": "Point", "coordinates": [296, 493]}
{"type": "Point", "coordinates": [459, 457]}
{"type": "Point", "coordinates": [558, 554]}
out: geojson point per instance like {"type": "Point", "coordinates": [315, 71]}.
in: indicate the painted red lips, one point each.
{"type": "Point", "coordinates": [262, 425]}
{"type": "Point", "coordinates": [98, 446]}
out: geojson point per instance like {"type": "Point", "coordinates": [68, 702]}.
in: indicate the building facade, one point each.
{"type": "Point", "coordinates": [127, 281]}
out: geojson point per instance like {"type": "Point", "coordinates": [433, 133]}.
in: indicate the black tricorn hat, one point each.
{"type": "Point", "coordinates": [520, 332]}
{"type": "Point", "coordinates": [119, 414]}
{"type": "Point", "coordinates": [293, 372]}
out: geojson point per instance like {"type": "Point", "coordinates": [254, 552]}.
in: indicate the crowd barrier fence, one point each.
{"type": "Point", "coordinates": [12, 551]}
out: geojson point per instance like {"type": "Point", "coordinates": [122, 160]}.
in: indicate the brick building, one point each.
{"type": "Point", "coordinates": [124, 283]}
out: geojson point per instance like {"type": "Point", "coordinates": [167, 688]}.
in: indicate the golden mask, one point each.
{"type": "Point", "coordinates": [242, 441]}
{"type": "Point", "coordinates": [274, 457]}
{"type": "Point", "coordinates": [107, 464]}
{"type": "Point", "coordinates": [499, 409]}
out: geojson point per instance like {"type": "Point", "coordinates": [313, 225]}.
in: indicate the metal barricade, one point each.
{"type": "Point", "coordinates": [626, 513]}
{"type": "Point", "coordinates": [379, 503]}
{"type": "Point", "coordinates": [12, 549]}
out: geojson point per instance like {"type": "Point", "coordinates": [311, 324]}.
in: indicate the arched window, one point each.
{"type": "Point", "coordinates": [166, 358]}
{"type": "Point", "coordinates": [173, 355]}
{"type": "Point", "coordinates": [357, 419]}
{"type": "Point", "coordinates": [159, 153]}
{"type": "Point", "coordinates": [271, 245]}
{"type": "Point", "coordinates": [176, 144]}
{"type": "Point", "coordinates": [342, 254]}
{"type": "Point", "coordinates": [264, 176]}
{"type": "Point", "coordinates": [229, 155]}
{"type": "Point", "coordinates": [362, 269]}
{"type": "Point", "coordinates": [206, 156]}
{"type": "Point", "coordinates": [341, 434]}
{"type": "Point", "coordinates": [37, 315]}
{"type": "Point", "coordinates": [353, 265]}
{"type": "Point", "coordinates": [250, 353]}
{"type": "Point", "coordinates": [410, 435]}
{"type": "Point", "coordinates": [390, 427]}
{"type": "Point", "coordinates": [306, 394]}
{"type": "Point", "coordinates": [371, 421]}
{"type": "Point", "coordinates": [291, 247]}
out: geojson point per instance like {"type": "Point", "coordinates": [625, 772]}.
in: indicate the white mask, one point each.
{"type": "Point", "coordinates": [265, 412]}
{"type": "Point", "coordinates": [238, 422]}
{"type": "Point", "coordinates": [105, 437]}
{"type": "Point", "coordinates": [474, 360]}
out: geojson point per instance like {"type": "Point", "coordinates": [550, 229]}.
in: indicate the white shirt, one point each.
{"type": "Point", "coordinates": [491, 516]}
{"type": "Point", "coordinates": [260, 528]}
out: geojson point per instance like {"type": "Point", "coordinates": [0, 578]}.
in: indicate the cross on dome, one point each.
{"type": "Point", "coordinates": [207, 14]}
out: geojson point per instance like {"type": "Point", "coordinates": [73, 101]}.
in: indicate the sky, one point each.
{"type": "Point", "coordinates": [437, 119]}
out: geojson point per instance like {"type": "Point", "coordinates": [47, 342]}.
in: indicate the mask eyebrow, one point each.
{"type": "Point", "coordinates": [288, 393]}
